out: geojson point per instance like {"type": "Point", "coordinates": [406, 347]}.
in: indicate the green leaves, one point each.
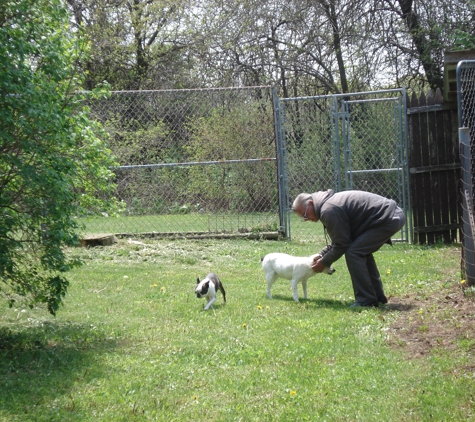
{"type": "Point", "coordinates": [54, 162]}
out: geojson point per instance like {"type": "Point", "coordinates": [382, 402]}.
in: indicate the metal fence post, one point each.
{"type": "Point", "coordinates": [335, 120]}
{"type": "Point", "coordinates": [281, 151]}
{"type": "Point", "coordinates": [466, 115]}
{"type": "Point", "coordinates": [468, 244]}
{"type": "Point", "coordinates": [344, 117]}
{"type": "Point", "coordinates": [404, 160]}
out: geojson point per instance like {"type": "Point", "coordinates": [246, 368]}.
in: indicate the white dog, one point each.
{"type": "Point", "coordinates": [294, 268]}
{"type": "Point", "coordinates": [208, 287]}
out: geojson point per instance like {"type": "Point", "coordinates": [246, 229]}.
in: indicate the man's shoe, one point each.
{"type": "Point", "coordinates": [365, 305]}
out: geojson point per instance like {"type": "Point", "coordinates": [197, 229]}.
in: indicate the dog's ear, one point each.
{"type": "Point", "coordinates": [205, 287]}
{"type": "Point", "coordinates": [197, 280]}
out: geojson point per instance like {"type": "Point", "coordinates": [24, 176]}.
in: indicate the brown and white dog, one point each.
{"type": "Point", "coordinates": [294, 268]}
{"type": "Point", "coordinates": [208, 287]}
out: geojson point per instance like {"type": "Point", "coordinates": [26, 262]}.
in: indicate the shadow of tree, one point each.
{"type": "Point", "coordinates": [40, 364]}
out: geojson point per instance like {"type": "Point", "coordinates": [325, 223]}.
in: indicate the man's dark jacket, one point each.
{"type": "Point", "coordinates": [346, 215]}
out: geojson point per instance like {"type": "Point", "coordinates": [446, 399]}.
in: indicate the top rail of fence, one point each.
{"type": "Point", "coordinates": [352, 94]}
{"type": "Point", "coordinates": [243, 88]}
{"type": "Point", "coordinates": [199, 163]}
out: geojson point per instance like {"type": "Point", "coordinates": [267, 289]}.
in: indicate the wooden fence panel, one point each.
{"type": "Point", "coordinates": [435, 169]}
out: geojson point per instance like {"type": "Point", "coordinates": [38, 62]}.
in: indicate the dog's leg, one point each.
{"type": "Point", "coordinates": [304, 286]}
{"type": "Point", "coordinates": [294, 289]}
{"type": "Point", "coordinates": [210, 303]}
{"type": "Point", "coordinates": [270, 278]}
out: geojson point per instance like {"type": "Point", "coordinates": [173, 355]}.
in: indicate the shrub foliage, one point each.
{"type": "Point", "coordinates": [53, 158]}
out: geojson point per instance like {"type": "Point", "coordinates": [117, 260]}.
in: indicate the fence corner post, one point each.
{"type": "Point", "coordinates": [468, 247]}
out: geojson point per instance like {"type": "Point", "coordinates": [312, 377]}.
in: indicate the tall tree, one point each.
{"type": "Point", "coordinates": [136, 44]}
{"type": "Point", "coordinates": [53, 162]}
{"type": "Point", "coordinates": [304, 47]}
{"type": "Point", "coordinates": [417, 33]}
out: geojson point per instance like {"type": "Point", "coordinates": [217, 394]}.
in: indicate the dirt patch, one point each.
{"type": "Point", "coordinates": [440, 321]}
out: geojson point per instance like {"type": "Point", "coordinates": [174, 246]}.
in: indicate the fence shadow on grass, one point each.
{"type": "Point", "coordinates": [39, 365]}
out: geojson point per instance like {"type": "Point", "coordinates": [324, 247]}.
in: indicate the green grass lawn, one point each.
{"type": "Point", "coordinates": [182, 223]}
{"type": "Point", "coordinates": [236, 223]}
{"type": "Point", "coordinates": [132, 342]}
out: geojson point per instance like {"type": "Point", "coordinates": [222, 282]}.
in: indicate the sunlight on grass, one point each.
{"type": "Point", "coordinates": [132, 342]}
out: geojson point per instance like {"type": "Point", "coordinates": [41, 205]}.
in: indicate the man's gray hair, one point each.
{"type": "Point", "coordinates": [301, 200]}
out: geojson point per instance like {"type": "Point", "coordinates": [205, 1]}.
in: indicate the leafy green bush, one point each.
{"type": "Point", "coordinates": [244, 132]}
{"type": "Point", "coordinates": [54, 163]}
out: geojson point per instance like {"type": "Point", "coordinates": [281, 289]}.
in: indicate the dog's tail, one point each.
{"type": "Point", "coordinates": [221, 289]}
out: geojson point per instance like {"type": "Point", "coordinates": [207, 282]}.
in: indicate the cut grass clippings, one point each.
{"type": "Point", "coordinates": [132, 341]}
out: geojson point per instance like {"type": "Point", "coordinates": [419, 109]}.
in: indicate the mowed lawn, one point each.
{"type": "Point", "coordinates": [132, 342]}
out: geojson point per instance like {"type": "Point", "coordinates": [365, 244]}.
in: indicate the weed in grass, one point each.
{"type": "Point", "coordinates": [469, 292]}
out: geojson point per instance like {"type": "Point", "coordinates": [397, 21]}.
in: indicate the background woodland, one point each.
{"type": "Point", "coordinates": [303, 47]}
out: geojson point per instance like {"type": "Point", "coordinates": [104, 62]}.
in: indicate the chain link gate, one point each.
{"type": "Point", "coordinates": [193, 163]}
{"type": "Point", "coordinates": [342, 142]}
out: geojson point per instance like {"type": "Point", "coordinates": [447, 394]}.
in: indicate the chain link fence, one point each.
{"type": "Point", "coordinates": [466, 109]}
{"type": "Point", "coordinates": [229, 161]}
{"type": "Point", "coordinates": [341, 142]}
{"type": "Point", "coordinates": [192, 162]}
